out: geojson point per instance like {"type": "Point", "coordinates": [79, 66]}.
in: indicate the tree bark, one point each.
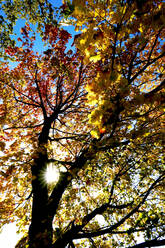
{"type": "Point", "coordinates": [40, 231]}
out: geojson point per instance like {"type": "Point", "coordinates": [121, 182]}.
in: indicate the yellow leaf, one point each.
{"type": "Point", "coordinates": [95, 58]}
{"type": "Point", "coordinates": [87, 53]}
{"type": "Point", "coordinates": [95, 134]}
{"type": "Point", "coordinates": [130, 126]}
{"type": "Point", "coordinates": [82, 41]}
{"type": "Point", "coordinates": [141, 29]}
{"type": "Point", "coordinates": [146, 134]}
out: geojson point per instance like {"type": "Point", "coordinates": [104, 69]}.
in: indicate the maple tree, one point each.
{"type": "Point", "coordinates": [37, 12]}
{"type": "Point", "coordinates": [110, 166]}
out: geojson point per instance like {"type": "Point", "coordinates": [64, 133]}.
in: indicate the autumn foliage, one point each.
{"type": "Point", "coordinates": [95, 113]}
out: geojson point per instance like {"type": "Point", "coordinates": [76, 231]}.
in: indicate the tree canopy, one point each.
{"type": "Point", "coordinates": [36, 12]}
{"type": "Point", "coordinates": [91, 116]}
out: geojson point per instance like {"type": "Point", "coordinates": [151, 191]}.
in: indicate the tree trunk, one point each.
{"type": "Point", "coordinates": [40, 231]}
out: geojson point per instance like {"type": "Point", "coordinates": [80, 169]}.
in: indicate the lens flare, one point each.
{"type": "Point", "coordinates": [51, 174]}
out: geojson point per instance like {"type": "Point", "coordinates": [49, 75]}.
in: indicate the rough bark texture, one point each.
{"type": "Point", "coordinates": [40, 231]}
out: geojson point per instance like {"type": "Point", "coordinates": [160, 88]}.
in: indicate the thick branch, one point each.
{"type": "Point", "coordinates": [128, 232]}
{"type": "Point", "coordinates": [158, 88]}
{"type": "Point", "coordinates": [58, 190]}
{"type": "Point", "coordinates": [150, 243]}
{"type": "Point", "coordinates": [63, 182]}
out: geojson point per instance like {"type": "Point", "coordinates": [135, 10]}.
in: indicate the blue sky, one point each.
{"type": "Point", "coordinates": [38, 45]}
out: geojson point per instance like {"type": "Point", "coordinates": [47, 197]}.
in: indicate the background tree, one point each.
{"type": "Point", "coordinates": [36, 12]}
{"type": "Point", "coordinates": [115, 172]}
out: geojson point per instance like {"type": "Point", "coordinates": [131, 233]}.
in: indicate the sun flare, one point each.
{"type": "Point", "coordinates": [51, 174]}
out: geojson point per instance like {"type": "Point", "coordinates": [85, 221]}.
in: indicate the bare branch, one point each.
{"type": "Point", "coordinates": [145, 66]}
{"type": "Point", "coordinates": [74, 92]}
{"type": "Point", "coordinates": [75, 137]}
{"type": "Point", "coordinates": [31, 126]}
{"type": "Point", "coordinates": [27, 103]}
{"type": "Point", "coordinates": [40, 96]}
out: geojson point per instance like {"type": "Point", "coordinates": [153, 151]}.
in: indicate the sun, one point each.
{"type": "Point", "coordinates": [51, 174]}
